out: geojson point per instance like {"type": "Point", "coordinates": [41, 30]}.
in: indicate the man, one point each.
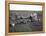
{"type": "Point", "coordinates": [34, 16]}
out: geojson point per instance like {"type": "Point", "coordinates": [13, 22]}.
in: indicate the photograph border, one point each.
{"type": "Point", "coordinates": [25, 3]}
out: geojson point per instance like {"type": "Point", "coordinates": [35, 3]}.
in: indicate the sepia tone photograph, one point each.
{"type": "Point", "coordinates": [25, 21]}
